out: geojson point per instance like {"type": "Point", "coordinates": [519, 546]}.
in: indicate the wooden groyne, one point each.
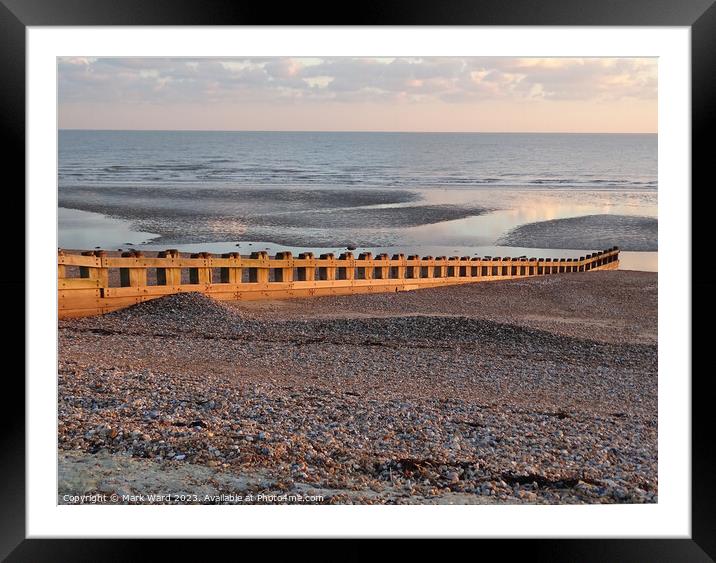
{"type": "Point", "coordinates": [93, 282]}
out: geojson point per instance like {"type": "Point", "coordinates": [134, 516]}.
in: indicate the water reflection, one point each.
{"type": "Point", "coordinates": [518, 207]}
{"type": "Point", "coordinates": [85, 230]}
{"type": "Point", "coordinates": [470, 236]}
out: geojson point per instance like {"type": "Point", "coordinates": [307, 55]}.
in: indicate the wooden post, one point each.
{"type": "Point", "coordinates": [475, 269]}
{"type": "Point", "coordinates": [382, 271]}
{"type": "Point", "coordinates": [453, 266]}
{"type": "Point", "coordinates": [441, 267]}
{"type": "Point", "coordinates": [306, 272]}
{"type": "Point", "coordinates": [532, 267]}
{"type": "Point", "coordinates": [546, 266]}
{"type": "Point", "coordinates": [133, 276]}
{"type": "Point", "coordinates": [346, 266]}
{"type": "Point", "coordinates": [284, 273]}
{"type": "Point", "coordinates": [427, 267]}
{"type": "Point", "coordinates": [492, 268]}
{"type": "Point", "coordinates": [95, 272]}
{"type": "Point", "coordinates": [102, 272]}
{"type": "Point", "coordinates": [231, 273]}
{"type": "Point", "coordinates": [365, 270]}
{"type": "Point", "coordinates": [169, 276]}
{"type": "Point", "coordinates": [413, 269]}
{"type": "Point", "coordinates": [506, 263]}
{"type": "Point", "coordinates": [201, 274]}
{"type": "Point", "coordinates": [85, 271]}
{"type": "Point", "coordinates": [260, 273]}
{"type": "Point", "coordinates": [464, 270]}
{"type": "Point", "coordinates": [61, 271]}
{"type": "Point", "coordinates": [486, 266]}
{"type": "Point", "coordinates": [327, 271]}
{"type": "Point", "coordinates": [398, 272]}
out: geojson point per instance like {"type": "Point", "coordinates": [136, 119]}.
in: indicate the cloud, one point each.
{"type": "Point", "coordinates": [350, 80]}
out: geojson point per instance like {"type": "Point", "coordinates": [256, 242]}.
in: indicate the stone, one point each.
{"type": "Point", "coordinates": [453, 477]}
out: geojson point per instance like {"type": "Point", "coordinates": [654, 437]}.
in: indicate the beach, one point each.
{"type": "Point", "coordinates": [539, 390]}
{"type": "Point", "coordinates": [328, 190]}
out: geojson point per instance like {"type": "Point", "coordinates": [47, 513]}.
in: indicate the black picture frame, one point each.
{"type": "Point", "coordinates": [699, 15]}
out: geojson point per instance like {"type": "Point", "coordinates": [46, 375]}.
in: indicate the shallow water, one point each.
{"type": "Point", "coordinates": [360, 216]}
{"type": "Point", "coordinates": [85, 230]}
{"type": "Point", "coordinates": [411, 192]}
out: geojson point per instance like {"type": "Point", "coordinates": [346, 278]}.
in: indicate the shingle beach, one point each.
{"type": "Point", "coordinates": [542, 390]}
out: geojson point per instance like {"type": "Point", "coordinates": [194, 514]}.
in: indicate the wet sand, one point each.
{"type": "Point", "coordinates": [590, 231]}
{"type": "Point", "coordinates": [180, 214]}
{"type": "Point", "coordinates": [541, 390]}
{"type": "Point", "coordinates": [171, 215]}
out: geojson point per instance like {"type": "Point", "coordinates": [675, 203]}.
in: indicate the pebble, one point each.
{"type": "Point", "coordinates": [451, 402]}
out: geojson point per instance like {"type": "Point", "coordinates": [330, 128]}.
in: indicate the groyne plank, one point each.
{"type": "Point", "coordinates": [285, 276]}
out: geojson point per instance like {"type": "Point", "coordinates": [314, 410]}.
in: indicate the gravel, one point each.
{"type": "Point", "coordinates": [541, 390]}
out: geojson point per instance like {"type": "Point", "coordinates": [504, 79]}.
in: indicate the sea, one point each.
{"type": "Point", "coordinates": [471, 194]}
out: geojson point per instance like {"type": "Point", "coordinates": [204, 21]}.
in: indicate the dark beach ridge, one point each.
{"type": "Point", "coordinates": [542, 390]}
{"type": "Point", "coordinates": [590, 231]}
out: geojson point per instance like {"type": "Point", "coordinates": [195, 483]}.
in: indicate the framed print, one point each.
{"type": "Point", "coordinates": [422, 277]}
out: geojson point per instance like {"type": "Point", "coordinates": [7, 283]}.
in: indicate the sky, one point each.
{"type": "Point", "coordinates": [490, 94]}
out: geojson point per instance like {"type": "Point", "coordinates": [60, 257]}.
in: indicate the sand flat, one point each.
{"type": "Point", "coordinates": [590, 231]}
